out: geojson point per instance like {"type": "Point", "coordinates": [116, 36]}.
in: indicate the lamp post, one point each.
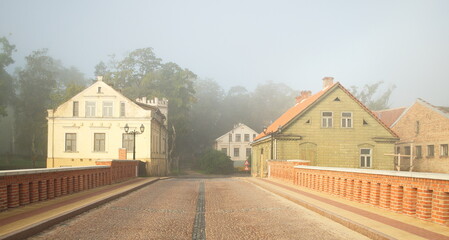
{"type": "Point", "coordinates": [134, 132]}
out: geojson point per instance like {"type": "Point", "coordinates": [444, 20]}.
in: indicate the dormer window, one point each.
{"type": "Point", "coordinates": [99, 90]}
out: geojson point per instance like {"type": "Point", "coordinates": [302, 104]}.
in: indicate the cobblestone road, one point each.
{"type": "Point", "coordinates": [200, 208]}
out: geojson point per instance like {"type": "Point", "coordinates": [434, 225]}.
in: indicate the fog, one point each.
{"type": "Point", "coordinates": [403, 43]}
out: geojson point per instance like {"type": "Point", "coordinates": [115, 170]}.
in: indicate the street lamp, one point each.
{"type": "Point", "coordinates": [134, 132]}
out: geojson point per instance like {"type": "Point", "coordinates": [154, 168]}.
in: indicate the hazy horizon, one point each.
{"type": "Point", "coordinates": [403, 43]}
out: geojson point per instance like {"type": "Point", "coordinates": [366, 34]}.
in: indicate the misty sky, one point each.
{"type": "Point", "coordinates": [405, 43]}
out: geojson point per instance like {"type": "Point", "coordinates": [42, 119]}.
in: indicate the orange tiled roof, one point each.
{"type": "Point", "coordinates": [389, 116]}
{"type": "Point", "coordinates": [303, 105]}
{"type": "Point", "coordinates": [293, 112]}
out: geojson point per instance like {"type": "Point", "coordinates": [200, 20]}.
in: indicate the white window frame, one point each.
{"type": "Point", "coordinates": [431, 146]}
{"type": "Point", "coordinates": [346, 122]}
{"type": "Point", "coordinates": [128, 141]}
{"type": "Point", "coordinates": [238, 137]}
{"type": "Point", "coordinates": [236, 152]}
{"type": "Point", "coordinates": [444, 150]}
{"type": "Point", "coordinates": [364, 158]}
{"type": "Point", "coordinates": [327, 121]}
{"type": "Point", "coordinates": [101, 143]}
{"type": "Point", "coordinates": [90, 108]}
{"type": "Point", "coordinates": [76, 108]}
{"type": "Point", "coordinates": [122, 109]}
{"type": "Point", "coordinates": [108, 108]}
{"type": "Point", "coordinates": [70, 144]}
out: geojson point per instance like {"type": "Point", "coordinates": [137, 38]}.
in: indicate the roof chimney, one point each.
{"type": "Point", "coordinates": [304, 95]}
{"type": "Point", "coordinates": [327, 81]}
{"type": "Point", "coordinates": [100, 78]}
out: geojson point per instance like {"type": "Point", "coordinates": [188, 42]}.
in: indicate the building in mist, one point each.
{"type": "Point", "coordinates": [330, 128]}
{"type": "Point", "coordinates": [236, 143]}
{"type": "Point", "coordinates": [92, 126]}
{"type": "Point", "coordinates": [424, 136]}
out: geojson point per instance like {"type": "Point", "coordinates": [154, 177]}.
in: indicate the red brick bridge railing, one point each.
{"type": "Point", "coordinates": [418, 194]}
{"type": "Point", "coordinates": [22, 187]}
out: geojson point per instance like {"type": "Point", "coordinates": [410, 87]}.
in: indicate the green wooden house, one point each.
{"type": "Point", "coordinates": [330, 128]}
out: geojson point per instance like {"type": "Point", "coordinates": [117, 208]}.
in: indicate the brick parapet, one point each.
{"type": "Point", "coordinates": [22, 187]}
{"type": "Point", "coordinates": [422, 195]}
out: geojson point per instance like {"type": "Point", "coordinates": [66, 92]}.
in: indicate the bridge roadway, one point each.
{"type": "Point", "coordinates": [198, 208]}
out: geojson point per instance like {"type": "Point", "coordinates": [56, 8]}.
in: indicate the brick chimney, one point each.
{"type": "Point", "coordinates": [304, 95]}
{"type": "Point", "coordinates": [327, 81]}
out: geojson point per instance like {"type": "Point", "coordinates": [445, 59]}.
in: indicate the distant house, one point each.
{"type": "Point", "coordinates": [235, 143]}
{"type": "Point", "coordinates": [92, 125]}
{"type": "Point", "coordinates": [330, 128]}
{"type": "Point", "coordinates": [424, 135]}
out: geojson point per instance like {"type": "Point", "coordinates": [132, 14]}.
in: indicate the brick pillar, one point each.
{"type": "Point", "coordinates": [24, 194]}
{"type": "Point", "coordinates": [34, 191]}
{"type": "Point", "coordinates": [397, 197]}
{"type": "Point", "coordinates": [343, 187]}
{"type": "Point", "coordinates": [320, 182]}
{"type": "Point", "coordinates": [69, 184]}
{"type": "Point", "coordinates": [51, 188]}
{"type": "Point", "coordinates": [349, 191]}
{"type": "Point", "coordinates": [440, 207]}
{"type": "Point", "coordinates": [410, 199]}
{"type": "Point", "coordinates": [375, 194]}
{"type": "Point", "coordinates": [3, 197]}
{"type": "Point", "coordinates": [358, 191]}
{"type": "Point", "coordinates": [58, 188]}
{"type": "Point", "coordinates": [42, 190]}
{"type": "Point", "coordinates": [64, 187]}
{"type": "Point", "coordinates": [13, 195]}
{"type": "Point", "coordinates": [366, 192]}
{"type": "Point", "coordinates": [424, 204]}
{"type": "Point", "coordinates": [385, 196]}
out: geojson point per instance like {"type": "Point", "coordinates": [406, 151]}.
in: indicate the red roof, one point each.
{"type": "Point", "coordinates": [293, 112]}
{"type": "Point", "coordinates": [389, 116]}
{"type": "Point", "coordinates": [300, 107]}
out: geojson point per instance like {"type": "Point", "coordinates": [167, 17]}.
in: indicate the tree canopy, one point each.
{"type": "Point", "coordinates": [370, 96]}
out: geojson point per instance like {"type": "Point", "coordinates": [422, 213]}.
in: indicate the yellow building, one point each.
{"type": "Point", "coordinates": [330, 128]}
{"type": "Point", "coordinates": [98, 123]}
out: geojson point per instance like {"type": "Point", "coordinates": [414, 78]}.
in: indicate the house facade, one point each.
{"type": "Point", "coordinates": [97, 124]}
{"type": "Point", "coordinates": [330, 128]}
{"type": "Point", "coordinates": [236, 143]}
{"type": "Point", "coordinates": [424, 136]}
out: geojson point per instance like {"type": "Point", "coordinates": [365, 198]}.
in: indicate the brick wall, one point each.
{"type": "Point", "coordinates": [22, 187]}
{"type": "Point", "coordinates": [422, 195]}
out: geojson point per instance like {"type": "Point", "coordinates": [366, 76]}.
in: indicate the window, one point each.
{"type": "Point", "coordinates": [238, 137]}
{"type": "Point", "coordinates": [254, 136]}
{"type": "Point", "coordinates": [346, 120]}
{"type": "Point", "coordinates": [365, 158]}
{"type": "Point", "coordinates": [107, 109]}
{"type": "Point", "coordinates": [407, 150]}
{"type": "Point", "coordinates": [246, 137]}
{"type": "Point", "coordinates": [236, 152]}
{"type": "Point", "coordinates": [70, 142]}
{"type": "Point", "coordinates": [430, 151]}
{"type": "Point", "coordinates": [326, 119]}
{"type": "Point", "coordinates": [224, 150]}
{"type": "Point", "coordinates": [128, 142]}
{"type": "Point", "coordinates": [90, 109]}
{"type": "Point", "coordinates": [248, 152]}
{"type": "Point", "coordinates": [99, 90]}
{"type": "Point", "coordinates": [99, 142]}
{"type": "Point", "coordinates": [417, 127]}
{"type": "Point", "coordinates": [230, 137]}
{"type": "Point", "coordinates": [418, 151]}
{"type": "Point", "coordinates": [76, 109]}
{"type": "Point", "coordinates": [398, 150]}
{"type": "Point", "coordinates": [443, 150]}
{"type": "Point", "coordinates": [122, 109]}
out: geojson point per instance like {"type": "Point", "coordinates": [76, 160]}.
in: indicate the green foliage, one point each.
{"type": "Point", "coordinates": [215, 162]}
{"type": "Point", "coordinates": [370, 97]}
{"type": "Point", "coordinates": [6, 81]}
{"type": "Point", "coordinates": [142, 74]}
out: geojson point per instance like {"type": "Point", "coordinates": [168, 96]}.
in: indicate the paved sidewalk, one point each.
{"type": "Point", "coordinates": [371, 221]}
{"type": "Point", "coordinates": [22, 222]}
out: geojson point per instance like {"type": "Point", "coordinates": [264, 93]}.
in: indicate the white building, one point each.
{"type": "Point", "coordinates": [235, 143]}
{"type": "Point", "coordinates": [91, 126]}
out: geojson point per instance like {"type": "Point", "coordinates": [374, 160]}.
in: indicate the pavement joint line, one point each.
{"type": "Point", "coordinates": [199, 224]}
{"type": "Point", "coordinates": [91, 201]}
{"type": "Point", "coordinates": [378, 228]}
